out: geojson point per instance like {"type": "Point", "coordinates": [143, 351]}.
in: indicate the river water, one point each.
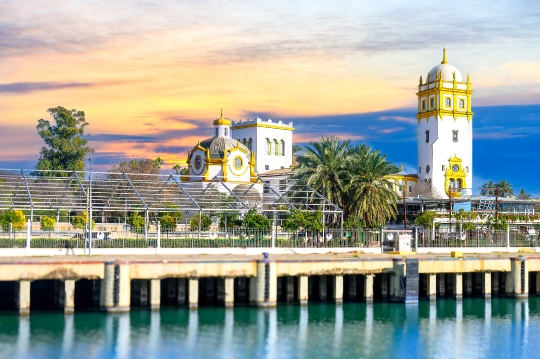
{"type": "Point", "coordinates": [473, 328]}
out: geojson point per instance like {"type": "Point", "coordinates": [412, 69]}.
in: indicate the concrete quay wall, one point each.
{"type": "Point", "coordinates": [116, 285]}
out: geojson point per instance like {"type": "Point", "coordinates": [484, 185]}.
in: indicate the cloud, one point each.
{"type": "Point", "coordinates": [26, 87]}
{"type": "Point", "coordinates": [391, 130]}
{"type": "Point", "coordinates": [398, 119]}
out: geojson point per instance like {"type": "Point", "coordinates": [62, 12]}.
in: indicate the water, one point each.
{"type": "Point", "coordinates": [474, 328]}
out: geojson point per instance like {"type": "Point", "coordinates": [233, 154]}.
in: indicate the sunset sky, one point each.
{"type": "Point", "coordinates": [152, 75]}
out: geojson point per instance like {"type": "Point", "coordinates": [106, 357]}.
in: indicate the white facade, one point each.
{"type": "Point", "coordinates": [270, 141]}
{"type": "Point", "coordinates": [445, 135]}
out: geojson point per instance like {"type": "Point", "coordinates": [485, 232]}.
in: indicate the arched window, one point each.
{"type": "Point", "coordinates": [249, 144]}
{"type": "Point", "coordinates": [448, 102]}
{"type": "Point", "coordinates": [226, 132]}
{"type": "Point", "coordinates": [268, 149]}
{"type": "Point", "coordinates": [276, 148]}
{"type": "Point", "coordinates": [282, 147]}
{"type": "Point", "coordinates": [459, 185]}
{"type": "Point", "coordinates": [216, 132]}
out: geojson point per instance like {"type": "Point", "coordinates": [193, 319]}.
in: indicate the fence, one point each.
{"type": "Point", "coordinates": [480, 238]}
{"type": "Point", "coordinates": [240, 238]}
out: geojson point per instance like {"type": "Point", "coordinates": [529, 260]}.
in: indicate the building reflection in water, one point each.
{"type": "Point", "coordinates": [303, 329]}
{"type": "Point", "coordinates": [67, 335]}
{"type": "Point", "coordinates": [122, 340]}
{"type": "Point", "coordinates": [338, 330]}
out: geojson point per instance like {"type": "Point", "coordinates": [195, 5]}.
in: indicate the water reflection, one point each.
{"type": "Point", "coordinates": [494, 328]}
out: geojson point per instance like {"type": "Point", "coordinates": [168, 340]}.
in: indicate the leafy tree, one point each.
{"type": "Point", "coordinates": [497, 223]}
{"type": "Point", "coordinates": [354, 222]}
{"type": "Point", "coordinates": [465, 220]}
{"type": "Point", "coordinates": [168, 223]}
{"type": "Point", "coordinates": [47, 223]}
{"type": "Point", "coordinates": [140, 165]}
{"type": "Point", "coordinates": [81, 222]}
{"type": "Point", "coordinates": [310, 221]}
{"type": "Point", "coordinates": [202, 220]}
{"type": "Point", "coordinates": [179, 170]}
{"type": "Point", "coordinates": [135, 220]}
{"type": "Point", "coordinates": [426, 219]}
{"type": "Point", "coordinates": [232, 220]}
{"type": "Point", "coordinates": [369, 192]}
{"type": "Point", "coordinates": [523, 194]}
{"type": "Point", "coordinates": [254, 220]}
{"type": "Point", "coordinates": [65, 145]}
{"type": "Point", "coordinates": [13, 216]}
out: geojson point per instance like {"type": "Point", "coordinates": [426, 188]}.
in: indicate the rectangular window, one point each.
{"type": "Point", "coordinates": [410, 191]}
{"type": "Point", "coordinates": [455, 135]}
{"type": "Point", "coordinates": [419, 169]}
{"type": "Point", "coordinates": [443, 168]}
{"type": "Point", "coordinates": [226, 134]}
{"type": "Point", "coordinates": [466, 168]}
{"type": "Point", "coordinates": [427, 136]}
{"type": "Point", "coordinates": [282, 185]}
{"type": "Point", "coordinates": [266, 167]}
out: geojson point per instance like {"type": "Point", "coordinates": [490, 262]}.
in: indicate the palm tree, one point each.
{"type": "Point", "coordinates": [504, 188]}
{"type": "Point", "coordinates": [488, 189]}
{"type": "Point", "coordinates": [523, 194]}
{"type": "Point", "coordinates": [369, 191]}
{"type": "Point", "coordinates": [323, 167]}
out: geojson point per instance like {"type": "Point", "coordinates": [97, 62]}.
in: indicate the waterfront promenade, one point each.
{"type": "Point", "coordinates": [118, 283]}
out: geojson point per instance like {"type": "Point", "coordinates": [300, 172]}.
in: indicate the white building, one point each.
{"type": "Point", "coordinates": [270, 141]}
{"type": "Point", "coordinates": [444, 135]}
{"type": "Point", "coordinates": [221, 156]}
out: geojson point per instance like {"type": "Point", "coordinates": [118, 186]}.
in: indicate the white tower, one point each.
{"type": "Point", "coordinates": [444, 134]}
{"type": "Point", "coordinates": [270, 141]}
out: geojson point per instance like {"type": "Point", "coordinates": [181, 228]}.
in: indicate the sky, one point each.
{"type": "Point", "coordinates": [151, 76]}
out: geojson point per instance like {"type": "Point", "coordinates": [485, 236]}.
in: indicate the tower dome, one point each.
{"type": "Point", "coordinates": [446, 70]}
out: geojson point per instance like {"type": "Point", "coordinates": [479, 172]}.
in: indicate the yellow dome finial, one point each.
{"type": "Point", "coordinates": [444, 57]}
{"type": "Point", "coordinates": [222, 120]}
{"type": "Point", "coordinates": [221, 113]}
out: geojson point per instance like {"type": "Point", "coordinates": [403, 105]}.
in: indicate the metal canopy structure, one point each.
{"type": "Point", "coordinates": [106, 191]}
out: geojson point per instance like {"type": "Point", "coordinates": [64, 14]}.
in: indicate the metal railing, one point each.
{"type": "Point", "coordinates": [480, 238]}
{"type": "Point", "coordinates": [232, 238]}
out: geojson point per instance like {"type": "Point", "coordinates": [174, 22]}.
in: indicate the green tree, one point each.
{"type": "Point", "coordinates": [168, 223]}
{"type": "Point", "coordinates": [465, 220]}
{"type": "Point", "coordinates": [231, 218]}
{"type": "Point", "coordinates": [139, 165]}
{"type": "Point", "coordinates": [426, 219]}
{"type": "Point", "coordinates": [13, 216]}
{"type": "Point", "coordinates": [201, 220]}
{"type": "Point", "coordinates": [254, 220]}
{"type": "Point", "coordinates": [354, 222]}
{"type": "Point", "coordinates": [81, 222]}
{"type": "Point", "coordinates": [369, 192]}
{"type": "Point", "coordinates": [135, 220]}
{"type": "Point", "coordinates": [47, 223]}
{"type": "Point", "coordinates": [65, 144]}
{"type": "Point", "coordinates": [179, 170]}
{"type": "Point", "coordinates": [309, 221]}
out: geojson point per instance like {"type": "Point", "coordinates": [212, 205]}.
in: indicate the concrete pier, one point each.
{"type": "Point", "coordinates": [486, 285]}
{"type": "Point", "coordinates": [69, 296]}
{"type": "Point", "coordinates": [229, 292]}
{"type": "Point", "coordinates": [458, 286]}
{"type": "Point", "coordinates": [193, 293]}
{"type": "Point", "coordinates": [368, 288]}
{"type": "Point", "coordinates": [338, 289]}
{"type": "Point", "coordinates": [72, 284]}
{"type": "Point", "coordinates": [303, 290]}
{"type": "Point", "coordinates": [23, 297]}
{"type": "Point", "coordinates": [432, 287]}
{"type": "Point", "coordinates": [155, 294]}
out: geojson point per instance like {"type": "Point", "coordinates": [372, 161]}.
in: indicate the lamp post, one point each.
{"type": "Point", "coordinates": [90, 209]}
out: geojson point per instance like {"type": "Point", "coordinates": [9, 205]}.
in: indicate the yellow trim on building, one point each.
{"type": "Point", "coordinates": [451, 176]}
{"type": "Point", "coordinates": [264, 125]}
